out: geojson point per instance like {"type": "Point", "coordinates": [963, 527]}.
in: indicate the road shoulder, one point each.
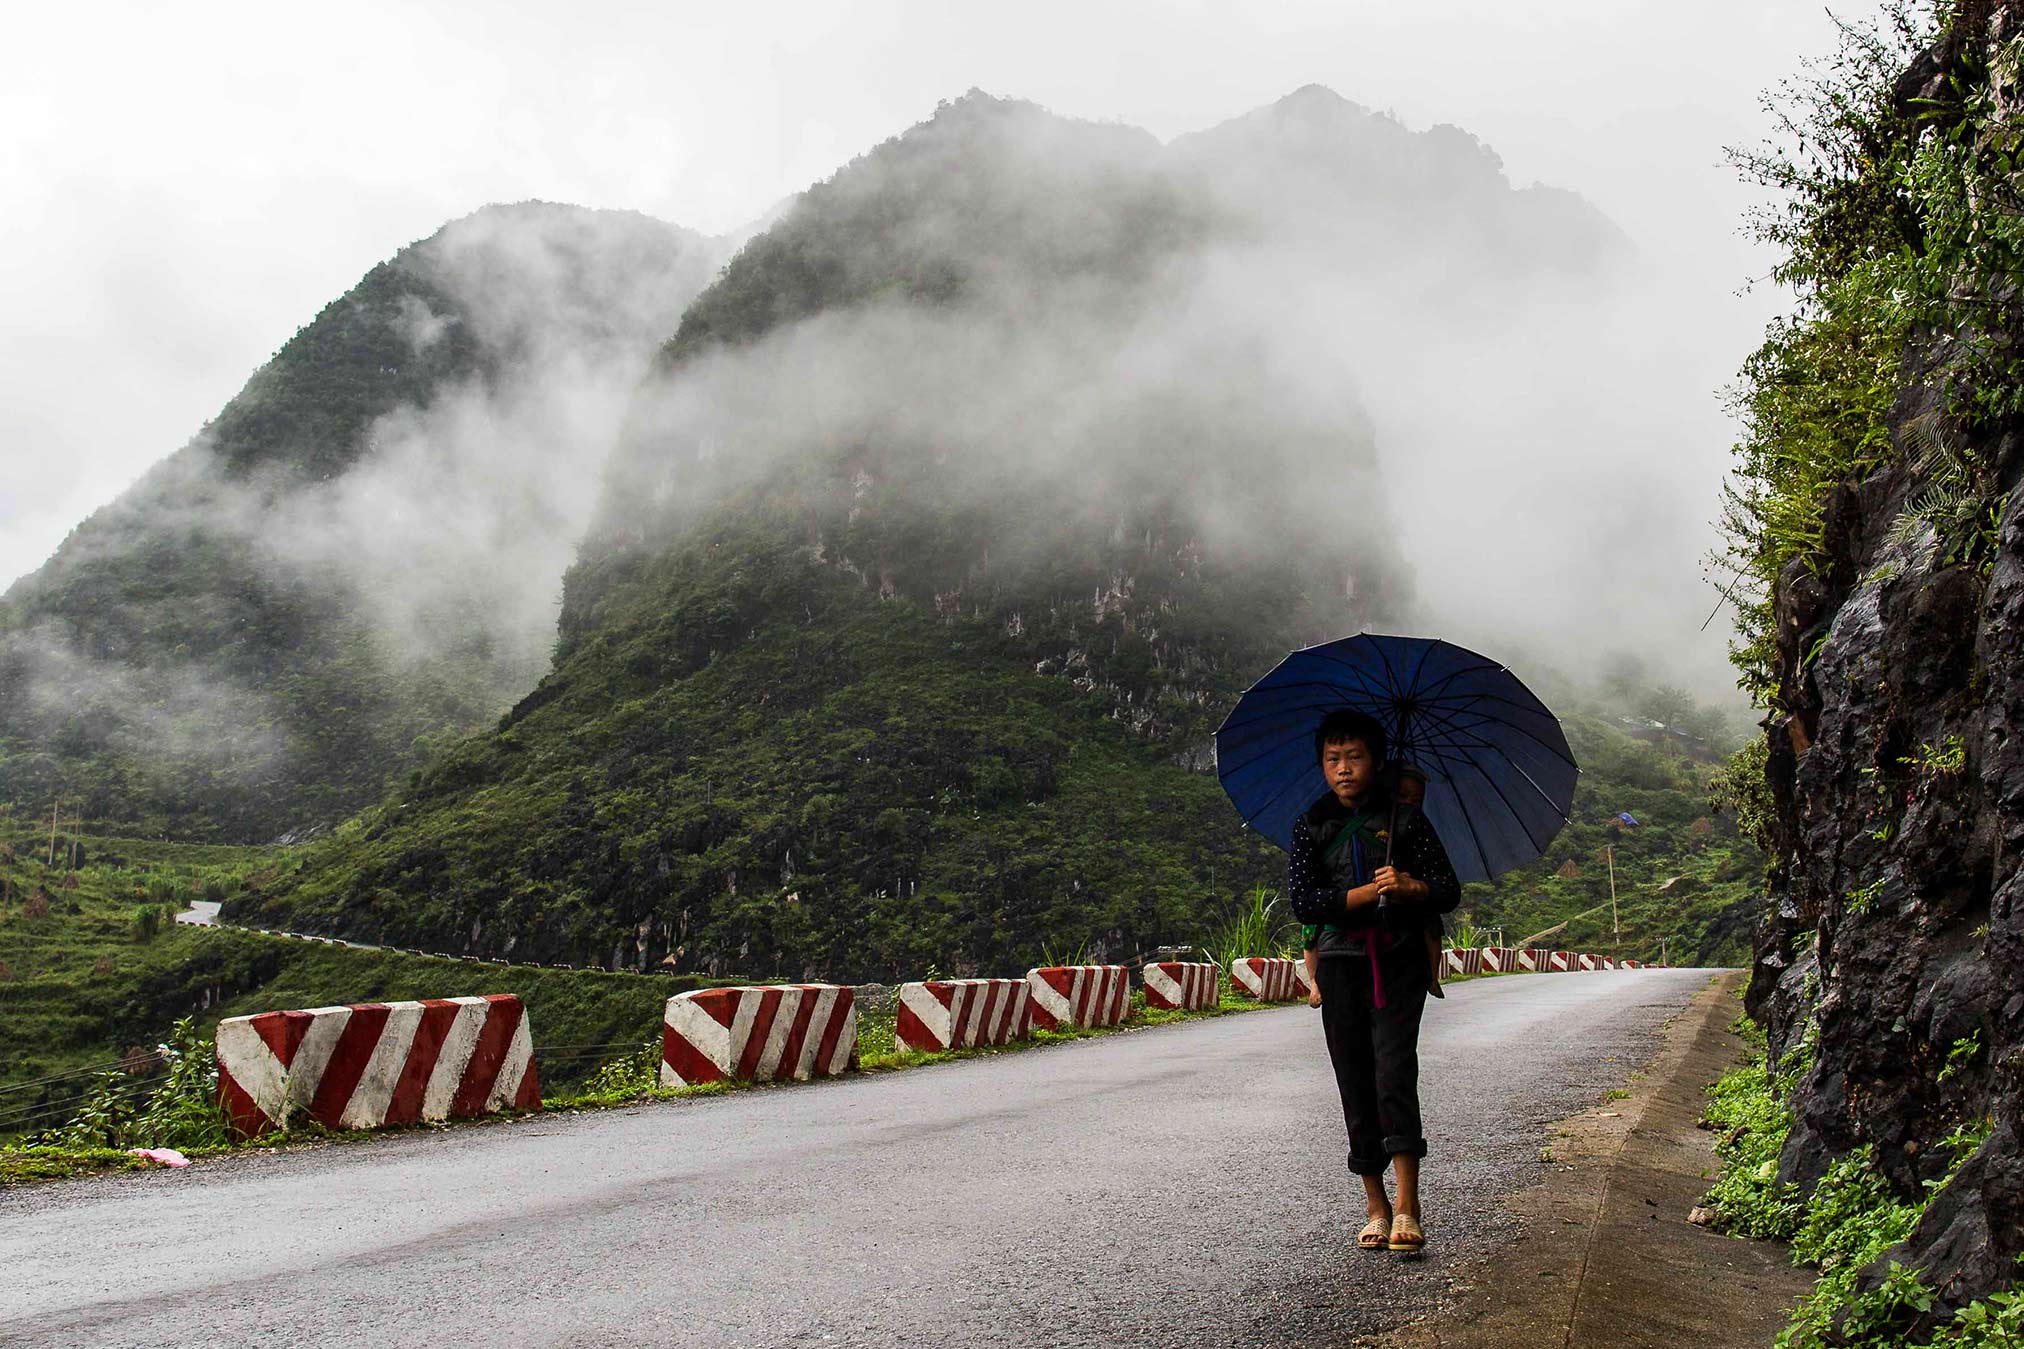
{"type": "Point", "coordinates": [1607, 1256]}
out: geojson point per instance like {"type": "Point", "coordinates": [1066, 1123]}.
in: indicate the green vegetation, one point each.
{"type": "Point", "coordinates": [848, 788]}
{"type": "Point", "coordinates": [1750, 1120]}
{"type": "Point", "coordinates": [1897, 220]}
{"type": "Point", "coordinates": [1259, 925]}
{"type": "Point", "coordinates": [86, 998]}
{"type": "Point", "coordinates": [1849, 1222]}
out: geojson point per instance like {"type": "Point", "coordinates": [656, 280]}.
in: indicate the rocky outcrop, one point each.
{"type": "Point", "coordinates": [1896, 930]}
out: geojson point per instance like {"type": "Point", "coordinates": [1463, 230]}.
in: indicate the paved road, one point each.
{"type": "Point", "coordinates": [1181, 1185]}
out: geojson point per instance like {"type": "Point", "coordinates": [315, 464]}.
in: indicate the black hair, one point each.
{"type": "Point", "coordinates": [1348, 724]}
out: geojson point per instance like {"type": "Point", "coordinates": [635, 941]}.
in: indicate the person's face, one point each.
{"type": "Point", "coordinates": [1412, 792]}
{"type": "Point", "coordinates": [1349, 768]}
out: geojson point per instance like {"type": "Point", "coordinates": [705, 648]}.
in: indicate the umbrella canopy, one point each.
{"type": "Point", "coordinates": [1500, 776]}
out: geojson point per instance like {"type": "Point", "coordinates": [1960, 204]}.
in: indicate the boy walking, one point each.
{"type": "Point", "coordinates": [1370, 961]}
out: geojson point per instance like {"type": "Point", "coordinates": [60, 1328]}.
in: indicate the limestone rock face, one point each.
{"type": "Point", "coordinates": [1897, 770]}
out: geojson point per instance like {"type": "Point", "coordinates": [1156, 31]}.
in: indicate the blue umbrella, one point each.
{"type": "Point", "coordinates": [1500, 778]}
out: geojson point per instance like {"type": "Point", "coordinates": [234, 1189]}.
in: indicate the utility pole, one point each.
{"type": "Point", "coordinates": [1616, 931]}
{"type": "Point", "coordinates": [52, 833]}
{"type": "Point", "coordinates": [1662, 950]}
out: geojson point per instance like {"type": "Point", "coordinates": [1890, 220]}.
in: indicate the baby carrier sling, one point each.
{"type": "Point", "coordinates": [1363, 838]}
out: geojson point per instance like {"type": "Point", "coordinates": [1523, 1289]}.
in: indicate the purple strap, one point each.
{"type": "Point", "coordinates": [1370, 934]}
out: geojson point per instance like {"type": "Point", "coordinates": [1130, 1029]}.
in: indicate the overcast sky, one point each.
{"type": "Point", "coordinates": [188, 184]}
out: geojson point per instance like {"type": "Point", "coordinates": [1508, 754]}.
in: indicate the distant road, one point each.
{"type": "Point", "coordinates": [1178, 1185]}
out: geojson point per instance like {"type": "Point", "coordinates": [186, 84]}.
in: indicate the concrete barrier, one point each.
{"type": "Point", "coordinates": [758, 1034]}
{"type": "Point", "coordinates": [944, 1014]}
{"type": "Point", "coordinates": [1463, 961]}
{"type": "Point", "coordinates": [1560, 962]}
{"type": "Point", "coordinates": [1266, 978]}
{"type": "Point", "coordinates": [1497, 960]}
{"type": "Point", "coordinates": [1077, 995]}
{"type": "Point", "coordinates": [1584, 961]}
{"type": "Point", "coordinates": [377, 1063]}
{"type": "Point", "coordinates": [1531, 960]}
{"type": "Point", "coordinates": [1174, 985]}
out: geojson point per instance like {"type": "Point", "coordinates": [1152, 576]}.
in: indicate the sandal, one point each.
{"type": "Point", "coordinates": [1406, 1234]}
{"type": "Point", "coordinates": [1374, 1235]}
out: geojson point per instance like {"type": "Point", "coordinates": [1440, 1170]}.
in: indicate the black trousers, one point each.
{"type": "Point", "coordinates": [1376, 1050]}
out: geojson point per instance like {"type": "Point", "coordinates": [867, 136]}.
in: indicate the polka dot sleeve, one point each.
{"type": "Point", "coordinates": [1309, 890]}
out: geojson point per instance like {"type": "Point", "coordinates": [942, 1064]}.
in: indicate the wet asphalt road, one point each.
{"type": "Point", "coordinates": [1175, 1186]}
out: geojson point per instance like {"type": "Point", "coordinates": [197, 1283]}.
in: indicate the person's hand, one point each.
{"type": "Point", "coordinates": [1361, 896]}
{"type": "Point", "coordinates": [1314, 997]}
{"type": "Point", "coordinates": [1390, 880]}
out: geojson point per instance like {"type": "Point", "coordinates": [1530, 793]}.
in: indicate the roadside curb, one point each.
{"type": "Point", "coordinates": [1625, 1174]}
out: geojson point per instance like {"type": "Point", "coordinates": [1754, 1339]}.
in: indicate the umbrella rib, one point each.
{"type": "Point", "coordinates": [1452, 675]}
{"type": "Point", "coordinates": [1519, 769]}
{"type": "Point", "coordinates": [1530, 781]}
{"type": "Point", "coordinates": [1273, 799]}
{"type": "Point", "coordinates": [1363, 676]}
{"type": "Point", "coordinates": [1461, 802]}
{"type": "Point", "coordinates": [1426, 652]}
{"type": "Point", "coordinates": [1290, 708]}
{"type": "Point", "coordinates": [1563, 755]}
{"type": "Point", "coordinates": [1537, 846]}
{"type": "Point", "coordinates": [1515, 767]}
{"type": "Point", "coordinates": [1391, 676]}
{"type": "Point", "coordinates": [1231, 770]}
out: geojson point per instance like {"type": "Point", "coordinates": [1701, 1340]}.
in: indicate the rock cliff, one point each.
{"type": "Point", "coordinates": [1893, 953]}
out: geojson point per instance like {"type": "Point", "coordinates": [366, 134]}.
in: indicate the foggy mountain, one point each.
{"type": "Point", "coordinates": [950, 521]}
{"type": "Point", "coordinates": [362, 548]}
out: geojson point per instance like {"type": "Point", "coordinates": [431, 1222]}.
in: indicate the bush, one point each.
{"type": "Point", "coordinates": [182, 1112]}
{"type": "Point", "coordinates": [1751, 1123]}
{"type": "Point", "coordinates": [147, 923]}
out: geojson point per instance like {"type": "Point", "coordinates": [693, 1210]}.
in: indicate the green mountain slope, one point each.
{"type": "Point", "coordinates": [362, 548]}
{"type": "Point", "coordinates": [957, 513]}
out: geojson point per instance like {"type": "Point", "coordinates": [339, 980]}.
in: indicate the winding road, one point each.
{"type": "Point", "coordinates": [1176, 1185]}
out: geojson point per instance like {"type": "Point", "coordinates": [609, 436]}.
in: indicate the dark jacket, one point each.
{"type": "Point", "coordinates": [1316, 883]}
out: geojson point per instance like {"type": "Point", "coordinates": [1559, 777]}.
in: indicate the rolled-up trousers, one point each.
{"type": "Point", "coordinates": [1376, 1051]}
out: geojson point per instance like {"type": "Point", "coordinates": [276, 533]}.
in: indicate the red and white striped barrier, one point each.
{"type": "Point", "coordinates": [1300, 977]}
{"type": "Point", "coordinates": [944, 1014]}
{"type": "Point", "coordinates": [1585, 961]}
{"type": "Point", "coordinates": [1531, 960]}
{"type": "Point", "coordinates": [1559, 962]}
{"type": "Point", "coordinates": [1177, 986]}
{"type": "Point", "coordinates": [1266, 978]}
{"type": "Point", "coordinates": [1077, 995]}
{"type": "Point", "coordinates": [758, 1034]}
{"type": "Point", "coordinates": [1463, 961]}
{"type": "Point", "coordinates": [377, 1063]}
{"type": "Point", "coordinates": [1497, 960]}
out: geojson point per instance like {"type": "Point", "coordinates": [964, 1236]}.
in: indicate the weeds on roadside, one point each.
{"type": "Point", "coordinates": [181, 1113]}
{"type": "Point", "coordinates": [1257, 926]}
{"type": "Point", "coordinates": [1751, 1122]}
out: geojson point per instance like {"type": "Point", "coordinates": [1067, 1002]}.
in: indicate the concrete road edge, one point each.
{"type": "Point", "coordinates": [1607, 1256]}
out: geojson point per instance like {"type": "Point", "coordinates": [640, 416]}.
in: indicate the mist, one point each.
{"type": "Point", "coordinates": [1311, 341]}
{"type": "Point", "coordinates": [1330, 336]}
{"type": "Point", "coordinates": [205, 622]}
